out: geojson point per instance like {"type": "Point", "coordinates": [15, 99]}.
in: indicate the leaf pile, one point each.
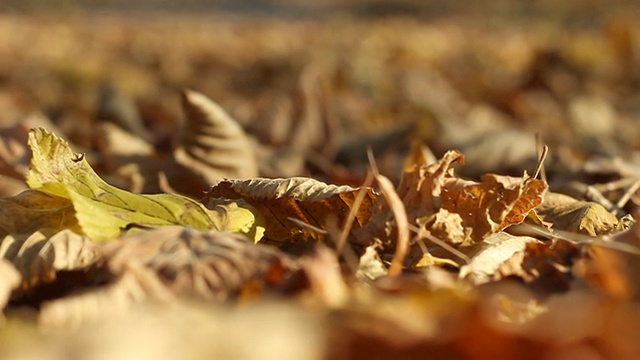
{"type": "Point", "coordinates": [315, 209]}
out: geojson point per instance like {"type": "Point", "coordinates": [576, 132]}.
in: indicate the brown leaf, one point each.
{"type": "Point", "coordinates": [33, 210]}
{"type": "Point", "coordinates": [212, 144]}
{"type": "Point", "coordinates": [545, 266]}
{"type": "Point", "coordinates": [304, 199]}
{"type": "Point", "coordinates": [486, 207]}
{"type": "Point", "coordinates": [207, 265]}
{"type": "Point", "coordinates": [39, 258]}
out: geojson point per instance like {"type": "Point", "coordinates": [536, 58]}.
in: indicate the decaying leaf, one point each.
{"type": "Point", "coordinates": [103, 211]}
{"type": "Point", "coordinates": [39, 258]}
{"type": "Point", "coordinates": [569, 214]}
{"type": "Point", "coordinates": [462, 211]}
{"type": "Point", "coordinates": [545, 266]}
{"type": "Point", "coordinates": [304, 199]}
{"type": "Point", "coordinates": [193, 263]}
{"type": "Point", "coordinates": [495, 250]}
{"type": "Point", "coordinates": [213, 144]}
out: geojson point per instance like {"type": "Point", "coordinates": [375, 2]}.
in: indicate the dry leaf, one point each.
{"type": "Point", "coordinates": [103, 211]}
{"type": "Point", "coordinates": [207, 265]}
{"type": "Point", "coordinates": [546, 267]}
{"type": "Point", "coordinates": [213, 145]}
{"type": "Point", "coordinates": [484, 208]}
{"type": "Point", "coordinates": [495, 250]}
{"type": "Point", "coordinates": [39, 258]}
{"type": "Point", "coordinates": [370, 266]}
{"type": "Point", "coordinates": [568, 214]}
{"type": "Point", "coordinates": [34, 210]}
{"type": "Point", "coordinates": [304, 199]}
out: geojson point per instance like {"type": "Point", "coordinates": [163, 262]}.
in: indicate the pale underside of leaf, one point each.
{"type": "Point", "coordinates": [494, 251]}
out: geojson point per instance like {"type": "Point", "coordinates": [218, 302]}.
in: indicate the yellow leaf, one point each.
{"type": "Point", "coordinates": [103, 211]}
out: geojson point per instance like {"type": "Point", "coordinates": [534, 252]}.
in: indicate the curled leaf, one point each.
{"type": "Point", "coordinates": [103, 211]}
{"type": "Point", "coordinates": [307, 200]}
{"type": "Point", "coordinates": [494, 252]}
{"type": "Point", "coordinates": [39, 258]}
{"type": "Point", "coordinates": [213, 144]}
{"type": "Point", "coordinates": [486, 207]}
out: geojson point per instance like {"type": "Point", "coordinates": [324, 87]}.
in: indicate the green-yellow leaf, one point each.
{"type": "Point", "coordinates": [103, 211]}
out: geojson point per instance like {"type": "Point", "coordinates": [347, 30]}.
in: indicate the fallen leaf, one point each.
{"type": "Point", "coordinates": [103, 211]}
{"type": "Point", "coordinates": [33, 210]}
{"type": "Point", "coordinates": [483, 208]}
{"type": "Point", "coordinates": [494, 251]}
{"type": "Point", "coordinates": [39, 258]}
{"type": "Point", "coordinates": [207, 265]}
{"type": "Point", "coordinates": [304, 199]}
{"type": "Point", "coordinates": [568, 214]}
{"type": "Point", "coordinates": [213, 145]}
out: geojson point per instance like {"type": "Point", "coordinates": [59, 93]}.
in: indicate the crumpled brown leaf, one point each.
{"type": "Point", "coordinates": [304, 199]}
{"type": "Point", "coordinates": [476, 209]}
{"type": "Point", "coordinates": [207, 265]}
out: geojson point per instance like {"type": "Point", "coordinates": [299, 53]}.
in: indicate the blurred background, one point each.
{"type": "Point", "coordinates": [316, 83]}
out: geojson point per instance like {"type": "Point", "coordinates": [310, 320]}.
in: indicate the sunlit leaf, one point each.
{"type": "Point", "coordinates": [568, 214]}
{"type": "Point", "coordinates": [484, 208]}
{"type": "Point", "coordinates": [103, 211]}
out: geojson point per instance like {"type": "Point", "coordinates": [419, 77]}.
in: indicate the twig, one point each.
{"type": "Point", "coordinates": [399, 214]}
{"type": "Point", "coordinates": [426, 235]}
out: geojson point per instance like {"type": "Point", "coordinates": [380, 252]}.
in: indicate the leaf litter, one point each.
{"type": "Point", "coordinates": [279, 235]}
